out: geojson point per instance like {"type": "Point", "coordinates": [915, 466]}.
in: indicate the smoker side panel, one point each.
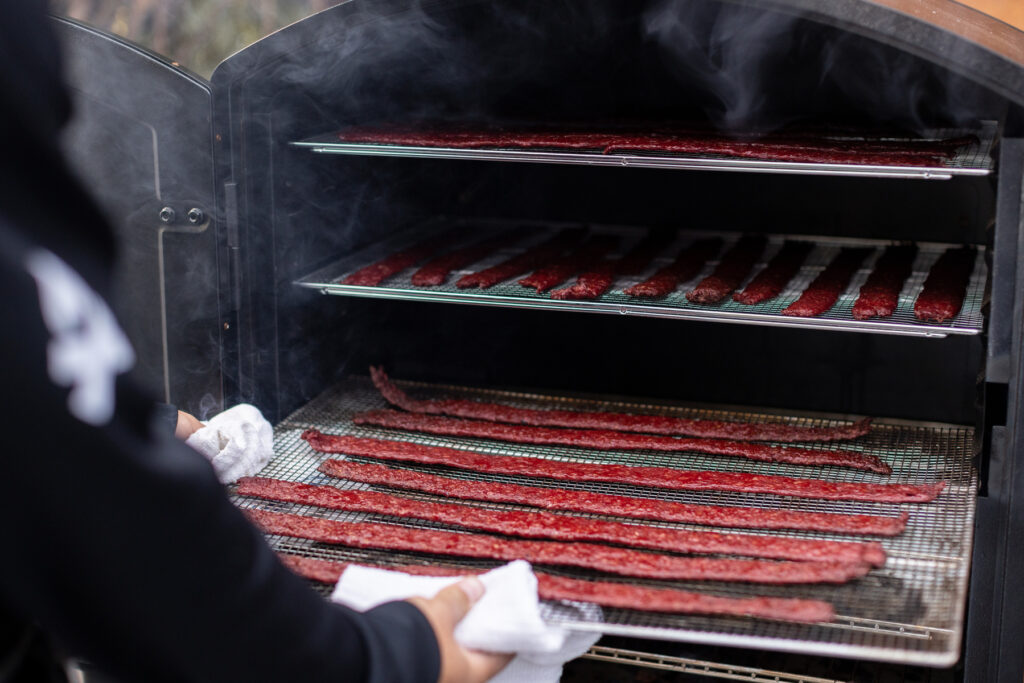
{"type": "Point", "coordinates": [140, 140]}
{"type": "Point", "coordinates": [995, 623]}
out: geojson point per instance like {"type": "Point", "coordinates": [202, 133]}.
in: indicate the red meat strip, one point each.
{"type": "Point", "coordinates": [564, 528]}
{"type": "Point", "coordinates": [523, 262]}
{"type": "Point", "coordinates": [661, 477]}
{"type": "Point", "coordinates": [618, 506]}
{"type": "Point", "coordinates": [596, 281]}
{"type": "Point", "coordinates": [770, 282]}
{"type": "Point", "coordinates": [730, 272]}
{"type": "Point", "coordinates": [816, 153]}
{"type": "Point", "coordinates": [687, 264]}
{"type": "Point", "coordinates": [375, 273]}
{"type": "Point", "coordinates": [624, 422]}
{"type": "Point", "coordinates": [586, 555]}
{"type": "Point", "coordinates": [605, 439]}
{"type": "Point", "coordinates": [823, 293]}
{"type": "Point", "coordinates": [946, 286]}
{"type": "Point", "coordinates": [881, 293]}
{"type": "Point", "coordinates": [587, 256]}
{"type": "Point", "coordinates": [436, 271]}
{"type": "Point", "coordinates": [589, 284]}
{"type": "Point", "coordinates": [805, 149]}
{"type": "Point", "coordinates": [604, 593]}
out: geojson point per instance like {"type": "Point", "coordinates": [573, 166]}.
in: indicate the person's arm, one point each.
{"type": "Point", "coordinates": [123, 546]}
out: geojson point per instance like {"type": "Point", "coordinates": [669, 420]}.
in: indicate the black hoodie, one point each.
{"type": "Point", "coordinates": [118, 543]}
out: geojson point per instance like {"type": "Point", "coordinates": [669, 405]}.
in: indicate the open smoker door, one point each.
{"type": "Point", "coordinates": [140, 138]}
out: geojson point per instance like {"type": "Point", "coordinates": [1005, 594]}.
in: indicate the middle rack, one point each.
{"type": "Point", "coordinates": [460, 254]}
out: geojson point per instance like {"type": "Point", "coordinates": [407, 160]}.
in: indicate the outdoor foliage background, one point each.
{"type": "Point", "coordinates": [198, 34]}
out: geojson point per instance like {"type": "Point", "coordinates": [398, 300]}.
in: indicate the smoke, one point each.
{"type": "Point", "coordinates": [729, 52]}
{"type": "Point", "coordinates": [755, 70]}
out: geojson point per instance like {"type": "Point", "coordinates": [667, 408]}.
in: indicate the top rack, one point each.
{"type": "Point", "coordinates": [973, 158]}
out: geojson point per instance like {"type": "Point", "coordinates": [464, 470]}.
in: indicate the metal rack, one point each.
{"type": "Point", "coordinates": [970, 160]}
{"type": "Point", "coordinates": [329, 280]}
{"type": "Point", "coordinates": [909, 611]}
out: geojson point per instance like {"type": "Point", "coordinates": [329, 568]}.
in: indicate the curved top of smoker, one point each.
{"type": "Point", "coordinates": [967, 42]}
{"type": "Point", "coordinates": [964, 40]}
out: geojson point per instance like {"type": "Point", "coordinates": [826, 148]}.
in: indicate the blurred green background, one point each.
{"type": "Point", "coordinates": [198, 34]}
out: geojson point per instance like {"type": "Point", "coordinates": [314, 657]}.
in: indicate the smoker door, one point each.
{"type": "Point", "coordinates": [140, 139]}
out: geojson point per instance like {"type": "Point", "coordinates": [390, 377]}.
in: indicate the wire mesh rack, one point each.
{"type": "Point", "coordinates": [971, 159]}
{"type": "Point", "coordinates": [909, 611]}
{"type": "Point", "coordinates": [454, 233]}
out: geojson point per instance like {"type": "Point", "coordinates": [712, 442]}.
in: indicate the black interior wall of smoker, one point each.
{"type": "Point", "coordinates": [667, 359]}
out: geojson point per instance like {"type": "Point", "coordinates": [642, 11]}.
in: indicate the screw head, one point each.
{"type": "Point", "coordinates": [195, 216]}
{"type": "Point", "coordinates": [167, 214]}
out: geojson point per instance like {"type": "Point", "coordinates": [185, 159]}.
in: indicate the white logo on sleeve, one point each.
{"type": "Point", "coordinates": [87, 348]}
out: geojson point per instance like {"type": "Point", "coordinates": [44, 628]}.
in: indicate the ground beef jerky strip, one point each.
{"type": "Point", "coordinates": [604, 593]}
{"type": "Point", "coordinates": [660, 477]}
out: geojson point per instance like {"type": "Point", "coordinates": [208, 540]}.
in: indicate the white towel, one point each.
{"type": "Point", "coordinates": [238, 442]}
{"type": "Point", "coordinates": [506, 619]}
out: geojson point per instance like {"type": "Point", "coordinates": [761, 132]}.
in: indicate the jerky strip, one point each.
{"type": "Point", "coordinates": [770, 282]}
{"type": "Point", "coordinates": [605, 439]}
{"type": "Point", "coordinates": [597, 557]}
{"type": "Point", "coordinates": [436, 271]}
{"type": "Point", "coordinates": [687, 264]}
{"type": "Point", "coordinates": [624, 422]}
{"type": "Point", "coordinates": [604, 593]}
{"type": "Point", "coordinates": [730, 271]}
{"type": "Point", "coordinates": [375, 273]}
{"type": "Point", "coordinates": [562, 269]}
{"type": "Point", "coordinates": [617, 506]}
{"type": "Point", "coordinates": [661, 477]}
{"type": "Point", "coordinates": [810, 149]}
{"type": "Point", "coordinates": [546, 525]}
{"type": "Point", "coordinates": [596, 281]}
{"type": "Point", "coordinates": [881, 293]}
{"type": "Point", "coordinates": [946, 286]}
{"type": "Point", "coordinates": [823, 293]}
{"type": "Point", "coordinates": [523, 262]}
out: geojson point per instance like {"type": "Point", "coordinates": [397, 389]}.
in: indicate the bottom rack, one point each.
{"type": "Point", "coordinates": [908, 611]}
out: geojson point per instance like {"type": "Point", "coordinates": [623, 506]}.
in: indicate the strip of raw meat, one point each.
{"type": "Point", "coordinates": [809, 149]}
{"type": "Point", "coordinates": [881, 292]}
{"type": "Point", "coordinates": [562, 269]}
{"type": "Point", "coordinates": [770, 282]}
{"type": "Point", "coordinates": [661, 477]}
{"type": "Point", "coordinates": [375, 273]}
{"type": "Point", "coordinates": [605, 439]}
{"type": "Point", "coordinates": [688, 263]}
{"type": "Point", "coordinates": [546, 525]}
{"type": "Point", "coordinates": [730, 271]}
{"type": "Point", "coordinates": [624, 422]}
{"type": "Point", "coordinates": [824, 153]}
{"type": "Point", "coordinates": [436, 271]}
{"type": "Point", "coordinates": [604, 593]}
{"type": "Point", "coordinates": [596, 281]}
{"type": "Point", "coordinates": [616, 506]}
{"type": "Point", "coordinates": [946, 286]}
{"type": "Point", "coordinates": [589, 556]}
{"type": "Point", "coordinates": [823, 293]}
{"type": "Point", "coordinates": [523, 262]}
{"type": "Point", "coordinates": [589, 284]}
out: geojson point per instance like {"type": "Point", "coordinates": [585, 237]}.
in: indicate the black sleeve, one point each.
{"type": "Point", "coordinates": [121, 544]}
{"type": "Point", "coordinates": [165, 418]}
